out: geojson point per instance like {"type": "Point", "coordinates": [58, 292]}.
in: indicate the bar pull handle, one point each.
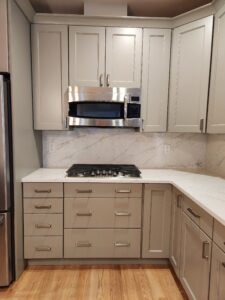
{"type": "Point", "coordinates": [201, 125]}
{"type": "Point", "coordinates": [107, 80]}
{"type": "Point", "coordinates": [83, 244]}
{"type": "Point", "coordinates": [193, 213]}
{"type": "Point", "coordinates": [122, 214]}
{"type": "Point", "coordinates": [179, 198]}
{"type": "Point", "coordinates": [101, 80]}
{"type": "Point", "coordinates": [43, 191]}
{"type": "Point", "coordinates": [39, 226]}
{"type": "Point", "coordinates": [205, 250]}
{"type": "Point", "coordinates": [88, 214]}
{"type": "Point", "coordinates": [43, 206]}
{"type": "Point", "coordinates": [121, 244]}
{"type": "Point", "coordinates": [84, 191]}
{"type": "Point", "coordinates": [223, 264]}
{"type": "Point", "coordinates": [123, 191]}
{"type": "Point", "coordinates": [43, 248]}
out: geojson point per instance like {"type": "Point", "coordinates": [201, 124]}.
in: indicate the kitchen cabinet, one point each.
{"type": "Point", "coordinates": [216, 113]}
{"type": "Point", "coordinates": [155, 79]}
{"type": "Point", "coordinates": [217, 279]}
{"type": "Point", "coordinates": [175, 235]}
{"type": "Point", "coordinates": [190, 67]}
{"type": "Point", "coordinates": [156, 221]}
{"type": "Point", "coordinates": [50, 75]}
{"type": "Point", "coordinates": [195, 260]}
{"type": "Point", "coordinates": [4, 61]}
{"type": "Point", "coordinates": [114, 59]}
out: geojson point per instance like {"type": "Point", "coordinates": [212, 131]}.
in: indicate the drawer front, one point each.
{"type": "Point", "coordinates": [102, 243]}
{"type": "Point", "coordinates": [43, 224]}
{"type": "Point", "coordinates": [219, 235]}
{"type": "Point", "coordinates": [102, 212]}
{"type": "Point", "coordinates": [43, 247]}
{"type": "Point", "coordinates": [42, 190]}
{"type": "Point", "coordinates": [43, 205]}
{"type": "Point", "coordinates": [84, 190]}
{"type": "Point", "coordinates": [199, 216]}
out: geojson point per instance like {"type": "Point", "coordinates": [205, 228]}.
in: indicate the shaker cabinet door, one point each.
{"type": "Point", "coordinates": [216, 114]}
{"type": "Point", "coordinates": [50, 75]}
{"type": "Point", "coordinates": [86, 56]}
{"type": "Point", "coordinates": [190, 66]}
{"type": "Point", "coordinates": [155, 79]}
{"type": "Point", "coordinates": [123, 57]}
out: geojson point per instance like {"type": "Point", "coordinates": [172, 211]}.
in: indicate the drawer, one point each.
{"type": "Point", "coordinates": [43, 247]}
{"type": "Point", "coordinates": [199, 216]}
{"type": "Point", "coordinates": [43, 224]}
{"type": "Point", "coordinates": [219, 235]}
{"type": "Point", "coordinates": [102, 243]}
{"type": "Point", "coordinates": [102, 190]}
{"type": "Point", "coordinates": [43, 205]}
{"type": "Point", "coordinates": [102, 212]}
{"type": "Point", "coordinates": [42, 190]}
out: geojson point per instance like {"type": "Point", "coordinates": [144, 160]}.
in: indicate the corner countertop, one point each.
{"type": "Point", "coordinates": [207, 191]}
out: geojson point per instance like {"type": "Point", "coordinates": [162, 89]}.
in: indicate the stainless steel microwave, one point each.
{"type": "Point", "coordinates": [104, 107]}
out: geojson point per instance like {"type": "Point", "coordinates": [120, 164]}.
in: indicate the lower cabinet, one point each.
{"type": "Point", "coordinates": [217, 286]}
{"type": "Point", "coordinates": [195, 260]}
{"type": "Point", "coordinates": [156, 221]}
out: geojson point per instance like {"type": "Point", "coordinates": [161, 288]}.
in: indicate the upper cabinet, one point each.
{"type": "Point", "coordinates": [50, 75]}
{"type": "Point", "coordinates": [190, 67]}
{"type": "Point", "coordinates": [155, 79]}
{"type": "Point", "coordinates": [216, 114]}
{"type": "Point", "coordinates": [114, 59]}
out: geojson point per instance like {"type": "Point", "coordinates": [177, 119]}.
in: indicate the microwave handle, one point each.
{"type": "Point", "coordinates": [126, 100]}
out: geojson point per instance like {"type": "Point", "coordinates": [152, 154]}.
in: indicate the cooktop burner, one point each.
{"type": "Point", "coordinates": [102, 170]}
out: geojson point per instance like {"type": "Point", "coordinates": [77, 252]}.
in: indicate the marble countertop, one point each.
{"type": "Point", "coordinates": [207, 191]}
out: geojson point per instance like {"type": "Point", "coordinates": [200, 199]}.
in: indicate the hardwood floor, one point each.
{"type": "Point", "coordinates": [119, 282]}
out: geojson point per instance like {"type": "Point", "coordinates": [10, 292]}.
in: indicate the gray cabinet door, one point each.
{"type": "Point", "coordinates": [156, 222]}
{"type": "Point", "coordinates": [217, 286]}
{"type": "Point", "coordinates": [175, 235]}
{"type": "Point", "coordinates": [195, 260]}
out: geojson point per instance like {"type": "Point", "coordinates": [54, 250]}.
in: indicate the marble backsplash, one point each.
{"type": "Point", "coordinates": [146, 150]}
{"type": "Point", "coordinates": [215, 154]}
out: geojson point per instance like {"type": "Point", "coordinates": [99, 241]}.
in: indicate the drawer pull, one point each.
{"type": "Point", "coordinates": [122, 214]}
{"type": "Point", "coordinates": [179, 198]}
{"type": "Point", "coordinates": [121, 244]}
{"type": "Point", "coordinates": [88, 214]}
{"type": "Point", "coordinates": [43, 206]}
{"type": "Point", "coordinates": [43, 226]}
{"type": "Point", "coordinates": [84, 191]}
{"type": "Point", "coordinates": [43, 191]}
{"type": "Point", "coordinates": [123, 191]}
{"type": "Point", "coordinates": [223, 264]}
{"type": "Point", "coordinates": [43, 248]}
{"type": "Point", "coordinates": [193, 213]}
{"type": "Point", "coordinates": [83, 244]}
{"type": "Point", "coordinates": [205, 250]}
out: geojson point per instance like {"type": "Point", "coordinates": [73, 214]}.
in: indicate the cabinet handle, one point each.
{"type": "Point", "coordinates": [201, 125]}
{"type": "Point", "coordinates": [43, 191]}
{"type": "Point", "coordinates": [101, 80]}
{"type": "Point", "coordinates": [43, 248]}
{"type": "Point", "coordinates": [123, 191]}
{"type": "Point", "coordinates": [121, 244]}
{"type": "Point", "coordinates": [88, 214]}
{"type": "Point", "coordinates": [43, 206]}
{"type": "Point", "coordinates": [193, 213]}
{"type": "Point", "coordinates": [107, 80]}
{"type": "Point", "coordinates": [205, 250]}
{"type": "Point", "coordinates": [223, 264]}
{"type": "Point", "coordinates": [179, 198]}
{"type": "Point", "coordinates": [83, 244]}
{"type": "Point", "coordinates": [84, 191]}
{"type": "Point", "coordinates": [43, 226]}
{"type": "Point", "coordinates": [122, 214]}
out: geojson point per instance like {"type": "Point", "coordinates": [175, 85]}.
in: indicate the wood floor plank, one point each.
{"type": "Point", "coordinates": [108, 282]}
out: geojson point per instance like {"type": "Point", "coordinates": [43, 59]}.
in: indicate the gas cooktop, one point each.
{"type": "Point", "coordinates": [102, 170]}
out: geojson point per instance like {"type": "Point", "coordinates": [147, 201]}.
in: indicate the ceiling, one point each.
{"type": "Point", "coordinates": [144, 8]}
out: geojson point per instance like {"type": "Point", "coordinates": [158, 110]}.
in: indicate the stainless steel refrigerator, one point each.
{"type": "Point", "coordinates": [6, 183]}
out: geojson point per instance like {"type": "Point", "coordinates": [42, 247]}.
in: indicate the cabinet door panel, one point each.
{"type": "Point", "coordinates": [86, 55]}
{"type": "Point", "coordinates": [123, 57]}
{"type": "Point", "coordinates": [155, 79]}
{"type": "Point", "coordinates": [216, 116]}
{"type": "Point", "coordinates": [50, 75]}
{"type": "Point", "coordinates": [156, 224]}
{"type": "Point", "coordinates": [190, 76]}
